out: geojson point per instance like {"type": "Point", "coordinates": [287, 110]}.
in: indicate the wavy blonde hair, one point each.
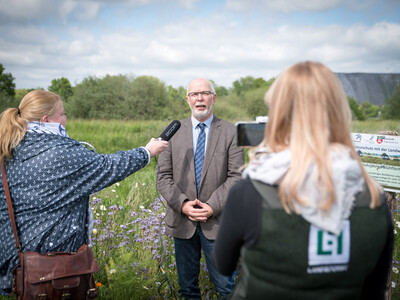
{"type": "Point", "coordinates": [33, 107]}
{"type": "Point", "coordinates": [309, 113]}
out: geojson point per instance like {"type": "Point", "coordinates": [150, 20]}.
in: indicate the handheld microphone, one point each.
{"type": "Point", "coordinates": [171, 129]}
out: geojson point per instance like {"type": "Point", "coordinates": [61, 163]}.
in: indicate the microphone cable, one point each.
{"type": "Point", "coordinates": [171, 291]}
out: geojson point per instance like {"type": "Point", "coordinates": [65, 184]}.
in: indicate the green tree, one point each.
{"type": "Point", "coordinates": [220, 90]}
{"type": "Point", "coordinates": [7, 84]}
{"type": "Point", "coordinates": [20, 93]}
{"type": "Point", "coordinates": [355, 109]}
{"type": "Point", "coordinates": [149, 97]}
{"type": "Point", "coordinates": [391, 109]}
{"type": "Point", "coordinates": [61, 87]}
{"type": "Point", "coordinates": [370, 111]}
{"type": "Point", "coordinates": [178, 107]}
{"type": "Point", "coordinates": [243, 84]}
{"type": "Point", "coordinates": [120, 97]}
{"type": "Point", "coordinates": [100, 98]}
{"type": "Point", "coordinates": [250, 83]}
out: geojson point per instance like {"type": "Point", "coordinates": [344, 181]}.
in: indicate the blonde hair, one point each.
{"type": "Point", "coordinates": [309, 113]}
{"type": "Point", "coordinates": [13, 121]}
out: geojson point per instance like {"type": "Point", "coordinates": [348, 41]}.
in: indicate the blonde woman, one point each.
{"type": "Point", "coordinates": [50, 177]}
{"type": "Point", "coordinates": [306, 220]}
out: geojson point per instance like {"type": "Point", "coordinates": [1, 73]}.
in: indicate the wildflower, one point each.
{"type": "Point", "coordinates": [94, 231]}
{"type": "Point", "coordinates": [394, 284]}
{"type": "Point", "coordinates": [113, 190]}
{"type": "Point", "coordinates": [117, 184]}
{"type": "Point", "coordinates": [136, 185]}
{"type": "Point", "coordinates": [141, 207]}
{"type": "Point", "coordinates": [145, 287]}
{"type": "Point", "coordinates": [112, 271]}
{"type": "Point", "coordinates": [102, 207]}
{"type": "Point", "coordinates": [99, 284]}
{"type": "Point", "coordinates": [144, 184]}
{"type": "Point", "coordinates": [149, 210]}
{"type": "Point", "coordinates": [395, 270]}
{"type": "Point", "coordinates": [394, 231]}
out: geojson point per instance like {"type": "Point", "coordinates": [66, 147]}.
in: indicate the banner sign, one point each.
{"type": "Point", "coordinates": [380, 156]}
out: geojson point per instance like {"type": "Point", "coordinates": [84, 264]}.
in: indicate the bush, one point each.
{"type": "Point", "coordinates": [391, 110]}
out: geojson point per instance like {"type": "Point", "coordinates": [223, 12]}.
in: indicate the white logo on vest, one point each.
{"type": "Point", "coordinates": [328, 253]}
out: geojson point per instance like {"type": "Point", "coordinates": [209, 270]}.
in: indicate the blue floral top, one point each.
{"type": "Point", "coordinates": [50, 178]}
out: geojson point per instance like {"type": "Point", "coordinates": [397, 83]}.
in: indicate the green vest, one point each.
{"type": "Point", "coordinates": [295, 260]}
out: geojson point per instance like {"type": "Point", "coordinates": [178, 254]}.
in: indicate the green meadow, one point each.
{"type": "Point", "coordinates": [135, 256]}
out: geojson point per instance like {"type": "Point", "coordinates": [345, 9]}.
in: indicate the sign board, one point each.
{"type": "Point", "coordinates": [380, 156]}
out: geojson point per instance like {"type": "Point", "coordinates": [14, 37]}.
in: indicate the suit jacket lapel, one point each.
{"type": "Point", "coordinates": [213, 137]}
{"type": "Point", "coordinates": [187, 147]}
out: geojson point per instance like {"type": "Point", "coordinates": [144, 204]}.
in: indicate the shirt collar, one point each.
{"type": "Point", "coordinates": [208, 122]}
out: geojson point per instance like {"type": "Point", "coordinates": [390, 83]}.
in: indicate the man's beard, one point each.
{"type": "Point", "coordinates": [201, 115]}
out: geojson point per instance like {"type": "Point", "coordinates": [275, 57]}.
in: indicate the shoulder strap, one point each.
{"type": "Point", "coordinates": [268, 193]}
{"type": "Point", "coordinates": [10, 209]}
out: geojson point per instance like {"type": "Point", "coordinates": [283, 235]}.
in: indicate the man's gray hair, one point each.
{"type": "Point", "coordinates": [209, 83]}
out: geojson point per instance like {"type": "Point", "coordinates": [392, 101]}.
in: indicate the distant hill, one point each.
{"type": "Point", "coordinates": [374, 88]}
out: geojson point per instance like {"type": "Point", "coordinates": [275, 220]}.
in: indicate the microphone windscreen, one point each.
{"type": "Point", "coordinates": [171, 129]}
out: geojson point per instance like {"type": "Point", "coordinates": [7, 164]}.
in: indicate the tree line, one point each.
{"type": "Point", "coordinates": [148, 98]}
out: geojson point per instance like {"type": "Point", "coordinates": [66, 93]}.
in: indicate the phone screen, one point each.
{"type": "Point", "coordinates": [249, 133]}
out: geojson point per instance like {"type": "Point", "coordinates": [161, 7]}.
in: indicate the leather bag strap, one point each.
{"type": "Point", "coordinates": [9, 204]}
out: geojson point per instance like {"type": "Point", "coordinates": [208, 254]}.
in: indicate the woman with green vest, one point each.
{"type": "Point", "coordinates": [306, 220]}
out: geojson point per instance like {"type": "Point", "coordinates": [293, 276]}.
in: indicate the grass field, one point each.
{"type": "Point", "coordinates": [139, 193]}
{"type": "Point", "coordinates": [135, 256]}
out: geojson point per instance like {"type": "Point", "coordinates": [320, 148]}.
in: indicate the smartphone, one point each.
{"type": "Point", "coordinates": [249, 134]}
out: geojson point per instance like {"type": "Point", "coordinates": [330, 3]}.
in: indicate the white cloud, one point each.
{"type": "Point", "coordinates": [283, 6]}
{"type": "Point", "coordinates": [218, 47]}
{"type": "Point", "coordinates": [24, 10]}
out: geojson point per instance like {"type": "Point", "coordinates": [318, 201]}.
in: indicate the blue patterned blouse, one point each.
{"type": "Point", "coordinates": [50, 178]}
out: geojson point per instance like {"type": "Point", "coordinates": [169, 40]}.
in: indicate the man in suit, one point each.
{"type": "Point", "coordinates": [194, 207]}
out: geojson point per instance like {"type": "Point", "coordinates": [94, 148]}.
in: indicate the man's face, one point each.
{"type": "Point", "coordinates": [201, 102]}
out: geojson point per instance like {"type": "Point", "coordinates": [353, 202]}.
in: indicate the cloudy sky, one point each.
{"type": "Point", "coordinates": [177, 40]}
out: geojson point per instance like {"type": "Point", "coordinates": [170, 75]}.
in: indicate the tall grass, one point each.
{"type": "Point", "coordinates": [135, 256]}
{"type": "Point", "coordinates": [375, 126]}
{"type": "Point", "coordinates": [137, 271]}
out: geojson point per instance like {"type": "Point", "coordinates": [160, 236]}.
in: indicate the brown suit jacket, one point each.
{"type": "Point", "coordinates": [176, 176]}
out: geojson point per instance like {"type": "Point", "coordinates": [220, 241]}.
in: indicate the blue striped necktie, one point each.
{"type": "Point", "coordinates": [199, 155]}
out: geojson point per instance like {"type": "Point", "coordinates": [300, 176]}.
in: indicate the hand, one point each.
{"type": "Point", "coordinates": [197, 211]}
{"type": "Point", "coordinates": [155, 147]}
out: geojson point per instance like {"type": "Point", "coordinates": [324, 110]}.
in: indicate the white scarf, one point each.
{"type": "Point", "coordinates": [49, 128]}
{"type": "Point", "coordinates": [346, 175]}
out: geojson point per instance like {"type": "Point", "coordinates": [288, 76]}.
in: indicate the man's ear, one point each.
{"type": "Point", "coordinates": [44, 119]}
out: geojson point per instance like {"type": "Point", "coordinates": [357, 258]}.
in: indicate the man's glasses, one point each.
{"type": "Point", "coordinates": [203, 93]}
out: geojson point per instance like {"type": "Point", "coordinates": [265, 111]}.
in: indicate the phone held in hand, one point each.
{"type": "Point", "coordinates": [250, 134]}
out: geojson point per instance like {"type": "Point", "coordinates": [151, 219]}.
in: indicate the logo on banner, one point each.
{"type": "Point", "coordinates": [379, 139]}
